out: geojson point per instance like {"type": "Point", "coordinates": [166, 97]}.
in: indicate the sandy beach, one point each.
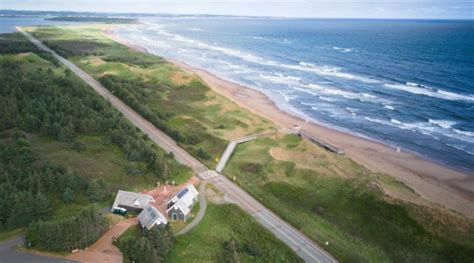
{"type": "Point", "coordinates": [433, 182]}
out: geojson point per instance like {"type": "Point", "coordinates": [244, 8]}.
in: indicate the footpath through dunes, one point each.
{"type": "Point", "coordinates": [303, 246]}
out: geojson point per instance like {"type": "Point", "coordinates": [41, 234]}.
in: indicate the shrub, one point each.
{"type": "Point", "coordinates": [201, 153]}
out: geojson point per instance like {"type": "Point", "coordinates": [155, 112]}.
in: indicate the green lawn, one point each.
{"type": "Point", "coordinates": [332, 199]}
{"type": "Point", "coordinates": [222, 222]}
{"type": "Point", "coordinates": [206, 242]}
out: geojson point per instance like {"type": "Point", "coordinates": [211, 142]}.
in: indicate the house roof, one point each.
{"type": "Point", "coordinates": [184, 199]}
{"type": "Point", "coordinates": [131, 199]}
{"type": "Point", "coordinates": [151, 216]}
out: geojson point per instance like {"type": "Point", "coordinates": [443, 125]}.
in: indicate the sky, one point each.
{"type": "Point", "coordinates": [442, 9]}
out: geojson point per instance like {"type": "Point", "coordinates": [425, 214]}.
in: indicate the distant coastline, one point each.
{"type": "Point", "coordinates": [440, 184]}
{"type": "Point", "coordinates": [94, 19]}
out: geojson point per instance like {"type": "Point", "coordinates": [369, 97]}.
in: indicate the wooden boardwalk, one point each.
{"type": "Point", "coordinates": [231, 147]}
{"type": "Point", "coordinates": [317, 141]}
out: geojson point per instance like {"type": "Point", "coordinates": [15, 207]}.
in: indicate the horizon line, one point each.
{"type": "Point", "coordinates": [230, 15]}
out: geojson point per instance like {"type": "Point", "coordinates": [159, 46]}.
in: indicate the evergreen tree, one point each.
{"type": "Point", "coordinates": [96, 190]}
{"type": "Point", "coordinates": [68, 196]}
{"type": "Point", "coordinates": [230, 253]}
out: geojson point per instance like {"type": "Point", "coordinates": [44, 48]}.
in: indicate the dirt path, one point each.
{"type": "Point", "coordinates": [103, 250]}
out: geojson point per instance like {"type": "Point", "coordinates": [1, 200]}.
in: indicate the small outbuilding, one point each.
{"type": "Point", "coordinates": [150, 217]}
{"type": "Point", "coordinates": [179, 207]}
{"type": "Point", "coordinates": [131, 201]}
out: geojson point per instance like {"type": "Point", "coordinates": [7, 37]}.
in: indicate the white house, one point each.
{"type": "Point", "coordinates": [150, 217]}
{"type": "Point", "coordinates": [132, 201]}
{"type": "Point", "coordinates": [181, 204]}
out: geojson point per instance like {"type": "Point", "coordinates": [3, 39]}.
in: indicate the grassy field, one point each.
{"type": "Point", "coordinates": [221, 223]}
{"type": "Point", "coordinates": [101, 159]}
{"type": "Point", "coordinates": [332, 199]}
{"type": "Point", "coordinates": [206, 242]}
{"type": "Point", "coordinates": [180, 100]}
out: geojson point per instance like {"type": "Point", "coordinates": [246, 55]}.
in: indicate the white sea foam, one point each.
{"type": "Point", "coordinates": [420, 127]}
{"type": "Point", "coordinates": [327, 99]}
{"type": "Point", "coordinates": [302, 66]}
{"type": "Point", "coordinates": [455, 96]}
{"type": "Point", "coordinates": [343, 50]}
{"type": "Point", "coordinates": [465, 133]}
{"type": "Point", "coordinates": [389, 107]}
{"type": "Point", "coordinates": [443, 123]}
{"type": "Point", "coordinates": [395, 121]}
{"type": "Point", "coordinates": [285, 96]}
{"type": "Point", "coordinates": [352, 111]}
{"type": "Point", "coordinates": [307, 104]}
{"type": "Point", "coordinates": [369, 95]}
{"type": "Point", "coordinates": [427, 91]}
{"type": "Point", "coordinates": [332, 91]}
{"type": "Point", "coordinates": [432, 128]}
{"type": "Point", "coordinates": [280, 78]}
{"type": "Point", "coordinates": [305, 91]}
{"type": "Point", "coordinates": [462, 148]}
{"type": "Point", "coordinates": [329, 71]}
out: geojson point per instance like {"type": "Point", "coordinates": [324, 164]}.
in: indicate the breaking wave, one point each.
{"type": "Point", "coordinates": [343, 50]}
{"type": "Point", "coordinates": [418, 89]}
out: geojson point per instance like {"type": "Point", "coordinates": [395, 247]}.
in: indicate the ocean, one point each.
{"type": "Point", "coordinates": [405, 83]}
{"type": "Point", "coordinates": [8, 24]}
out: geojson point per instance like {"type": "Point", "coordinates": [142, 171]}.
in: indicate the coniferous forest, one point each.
{"type": "Point", "coordinates": [41, 99]}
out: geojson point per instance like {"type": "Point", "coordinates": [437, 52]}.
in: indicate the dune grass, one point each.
{"type": "Point", "coordinates": [181, 100]}
{"type": "Point", "coordinates": [332, 199]}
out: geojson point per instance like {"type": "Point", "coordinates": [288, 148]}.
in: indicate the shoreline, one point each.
{"type": "Point", "coordinates": [432, 181]}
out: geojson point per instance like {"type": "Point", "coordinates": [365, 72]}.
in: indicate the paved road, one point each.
{"type": "Point", "coordinates": [303, 246]}
{"type": "Point", "coordinates": [8, 254]}
{"type": "Point", "coordinates": [202, 210]}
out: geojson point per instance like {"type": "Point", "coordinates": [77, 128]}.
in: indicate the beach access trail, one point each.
{"type": "Point", "coordinates": [303, 246]}
{"type": "Point", "coordinates": [231, 147]}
